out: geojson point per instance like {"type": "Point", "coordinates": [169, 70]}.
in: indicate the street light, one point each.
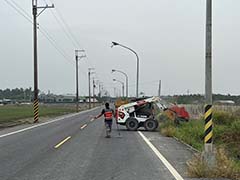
{"type": "Point", "coordinates": [77, 59]}
{"type": "Point", "coordinates": [99, 83]}
{"type": "Point", "coordinates": [89, 85]}
{"type": "Point", "coordinates": [114, 70]}
{"type": "Point", "coordinates": [94, 86]}
{"type": "Point", "coordinates": [117, 44]}
{"type": "Point", "coordinates": [122, 85]}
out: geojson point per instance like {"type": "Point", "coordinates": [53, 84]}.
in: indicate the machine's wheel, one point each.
{"type": "Point", "coordinates": [132, 124]}
{"type": "Point", "coordinates": [150, 125]}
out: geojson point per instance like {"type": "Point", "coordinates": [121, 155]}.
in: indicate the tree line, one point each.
{"type": "Point", "coordinates": [26, 94]}
{"type": "Point", "coordinates": [200, 99]}
{"type": "Point", "coordinates": [18, 94]}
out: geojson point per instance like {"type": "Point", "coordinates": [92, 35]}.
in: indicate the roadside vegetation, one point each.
{"type": "Point", "coordinates": [11, 115]}
{"type": "Point", "coordinates": [226, 140]}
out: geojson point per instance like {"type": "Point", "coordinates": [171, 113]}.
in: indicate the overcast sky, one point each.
{"type": "Point", "coordinates": [168, 35]}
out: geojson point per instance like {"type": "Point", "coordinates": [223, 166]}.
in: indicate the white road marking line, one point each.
{"type": "Point", "coordinates": [62, 142]}
{"type": "Point", "coordinates": [45, 123]}
{"type": "Point", "coordinates": [173, 171]}
{"type": "Point", "coordinates": [92, 119]}
{"type": "Point", "coordinates": [85, 125]}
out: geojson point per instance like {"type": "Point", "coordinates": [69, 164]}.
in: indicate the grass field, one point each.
{"type": "Point", "coordinates": [226, 137]}
{"type": "Point", "coordinates": [18, 114]}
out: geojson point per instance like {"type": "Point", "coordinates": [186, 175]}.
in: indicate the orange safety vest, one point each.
{"type": "Point", "coordinates": [108, 114]}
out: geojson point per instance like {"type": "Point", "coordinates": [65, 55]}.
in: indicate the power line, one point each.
{"type": "Point", "coordinates": [62, 23]}
{"type": "Point", "coordinates": [67, 26]}
{"type": "Point", "coordinates": [68, 31]}
{"type": "Point", "coordinates": [53, 43]}
{"type": "Point", "coordinates": [43, 31]}
{"type": "Point", "coordinates": [26, 16]}
{"type": "Point", "coordinates": [63, 29]}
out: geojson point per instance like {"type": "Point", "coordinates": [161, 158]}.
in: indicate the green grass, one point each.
{"type": "Point", "coordinates": [191, 133]}
{"type": "Point", "coordinates": [13, 114]}
{"type": "Point", "coordinates": [226, 134]}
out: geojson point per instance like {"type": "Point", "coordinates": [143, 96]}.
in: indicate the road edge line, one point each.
{"type": "Point", "coordinates": [172, 170]}
{"type": "Point", "coordinates": [45, 123]}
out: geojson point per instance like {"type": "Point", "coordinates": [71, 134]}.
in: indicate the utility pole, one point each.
{"type": "Point", "coordinates": [114, 92]}
{"type": "Point", "coordinates": [94, 92]}
{"type": "Point", "coordinates": [123, 90]}
{"type": "Point", "coordinates": [208, 146]}
{"type": "Point", "coordinates": [35, 7]}
{"type": "Point", "coordinates": [99, 87]}
{"type": "Point", "coordinates": [159, 88]}
{"type": "Point", "coordinates": [89, 86]}
{"type": "Point", "coordinates": [77, 98]}
{"type": "Point", "coordinates": [77, 91]}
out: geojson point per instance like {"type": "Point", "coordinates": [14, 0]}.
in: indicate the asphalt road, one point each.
{"type": "Point", "coordinates": [75, 148]}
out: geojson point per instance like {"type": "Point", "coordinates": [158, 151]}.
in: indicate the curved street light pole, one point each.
{"type": "Point", "coordinates": [122, 85]}
{"type": "Point", "coordinates": [114, 70]}
{"type": "Point", "coordinates": [117, 44]}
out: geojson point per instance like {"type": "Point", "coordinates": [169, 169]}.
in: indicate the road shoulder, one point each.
{"type": "Point", "coordinates": [176, 153]}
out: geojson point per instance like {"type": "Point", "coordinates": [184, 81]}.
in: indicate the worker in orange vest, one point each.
{"type": "Point", "coordinates": [108, 118]}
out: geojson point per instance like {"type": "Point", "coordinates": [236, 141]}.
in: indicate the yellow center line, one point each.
{"type": "Point", "coordinates": [62, 142]}
{"type": "Point", "coordinates": [85, 125]}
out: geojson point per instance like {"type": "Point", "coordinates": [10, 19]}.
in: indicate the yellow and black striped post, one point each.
{"type": "Point", "coordinates": [208, 128]}
{"type": "Point", "coordinates": [36, 110]}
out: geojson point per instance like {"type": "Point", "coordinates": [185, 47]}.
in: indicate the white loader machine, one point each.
{"type": "Point", "coordinates": [140, 113]}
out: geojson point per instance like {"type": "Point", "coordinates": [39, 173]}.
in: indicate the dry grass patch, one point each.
{"type": "Point", "coordinates": [168, 131]}
{"type": "Point", "coordinates": [224, 167]}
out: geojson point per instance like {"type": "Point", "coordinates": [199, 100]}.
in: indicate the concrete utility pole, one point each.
{"type": "Point", "coordinates": [99, 88]}
{"type": "Point", "coordinates": [94, 92]}
{"type": "Point", "coordinates": [77, 91]}
{"type": "Point", "coordinates": [159, 88]}
{"type": "Point", "coordinates": [208, 146]}
{"type": "Point", "coordinates": [35, 7]}
{"type": "Point", "coordinates": [114, 92]}
{"type": "Point", "coordinates": [89, 86]}
{"type": "Point", "coordinates": [208, 80]}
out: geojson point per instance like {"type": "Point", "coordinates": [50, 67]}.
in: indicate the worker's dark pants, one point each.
{"type": "Point", "coordinates": [108, 124]}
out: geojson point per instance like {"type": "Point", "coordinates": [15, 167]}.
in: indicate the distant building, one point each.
{"type": "Point", "coordinates": [92, 100]}
{"type": "Point", "coordinates": [65, 98]}
{"type": "Point", "coordinates": [224, 102]}
{"type": "Point", "coordinates": [47, 98]}
{"type": "Point", "coordinates": [6, 101]}
{"type": "Point", "coordinates": [68, 98]}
